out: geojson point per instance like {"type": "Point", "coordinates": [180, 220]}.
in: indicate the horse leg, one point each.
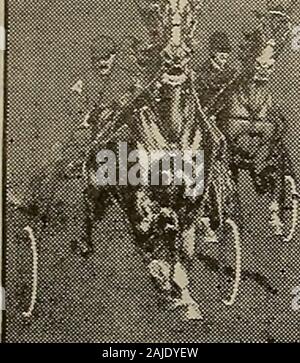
{"type": "Point", "coordinates": [86, 243]}
{"type": "Point", "coordinates": [183, 255]}
{"type": "Point", "coordinates": [181, 280]}
{"type": "Point", "coordinates": [171, 273]}
{"type": "Point", "coordinates": [81, 224]}
{"type": "Point", "coordinates": [90, 208]}
{"type": "Point", "coordinates": [156, 229]}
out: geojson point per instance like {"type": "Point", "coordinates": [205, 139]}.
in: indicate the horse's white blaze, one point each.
{"type": "Point", "coordinates": [238, 265]}
{"type": "Point", "coordinates": [176, 114]}
{"type": "Point", "coordinates": [189, 236]}
{"type": "Point", "coordinates": [28, 314]}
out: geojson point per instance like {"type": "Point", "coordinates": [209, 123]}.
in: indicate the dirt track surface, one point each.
{"type": "Point", "coordinates": [110, 296]}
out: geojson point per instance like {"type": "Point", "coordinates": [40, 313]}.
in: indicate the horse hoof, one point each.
{"type": "Point", "coordinates": [82, 249]}
{"type": "Point", "coordinates": [187, 312]}
{"type": "Point", "coordinates": [192, 313]}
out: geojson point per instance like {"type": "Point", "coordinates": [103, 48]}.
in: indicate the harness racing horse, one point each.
{"type": "Point", "coordinates": [255, 127]}
{"type": "Point", "coordinates": [164, 118]}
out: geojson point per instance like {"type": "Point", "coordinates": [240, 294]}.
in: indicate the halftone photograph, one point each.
{"type": "Point", "coordinates": [151, 172]}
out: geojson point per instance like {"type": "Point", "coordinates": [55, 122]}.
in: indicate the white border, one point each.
{"type": "Point", "coordinates": [2, 51]}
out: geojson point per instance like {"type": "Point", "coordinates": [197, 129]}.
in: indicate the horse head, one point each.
{"type": "Point", "coordinates": [180, 18]}
{"type": "Point", "coordinates": [262, 47]}
{"type": "Point", "coordinates": [175, 22]}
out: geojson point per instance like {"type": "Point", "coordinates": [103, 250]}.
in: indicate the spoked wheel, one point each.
{"type": "Point", "coordinates": [230, 249]}
{"type": "Point", "coordinates": [235, 237]}
{"type": "Point", "coordinates": [34, 278]}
